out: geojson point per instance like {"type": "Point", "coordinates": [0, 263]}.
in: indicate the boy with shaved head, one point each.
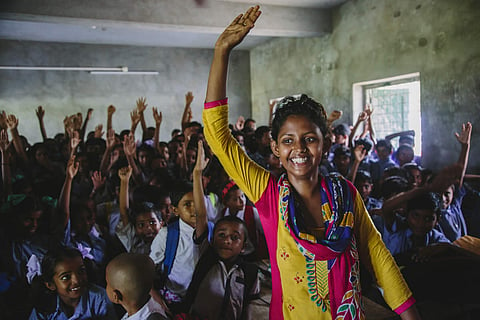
{"type": "Point", "coordinates": [129, 281]}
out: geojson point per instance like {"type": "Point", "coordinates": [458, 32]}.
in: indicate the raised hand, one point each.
{"type": "Point", "coordinates": [334, 115]}
{"type": "Point", "coordinates": [97, 180]}
{"type": "Point", "coordinates": [110, 138]}
{"type": "Point", "coordinates": [189, 97]}
{"type": "Point", "coordinates": [75, 140]}
{"type": "Point", "coordinates": [362, 116]}
{"type": "Point", "coordinates": [89, 113]}
{"type": "Point", "coordinates": [464, 136]}
{"type": "Point", "coordinates": [129, 146]}
{"type": "Point", "coordinates": [157, 116]}
{"type": "Point", "coordinates": [359, 152]}
{"type": "Point", "coordinates": [99, 131]}
{"type": "Point", "coordinates": [111, 110]}
{"type": "Point", "coordinates": [201, 162]}
{"type": "Point", "coordinates": [240, 123]}
{"type": "Point", "coordinates": [72, 167]}
{"type": "Point", "coordinates": [135, 117]}
{"type": "Point", "coordinates": [238, 29]}
{"type": "Point", "coordinates": [40, 112]}
{"type": "Point", "coordinates": [125, 173]}
{"type": "Point", "coordinates": [12, 122]}
{"type": "Point", "coordinates": [368, 110]}
{"type": "Point", "coordinates": [3, 120]}
{"type": "Point", "coordinates": [77, 121]}
{"type": "Point", "coordinates": [3, 141]}
{"type": "Point", "coordinates": [141, 104]}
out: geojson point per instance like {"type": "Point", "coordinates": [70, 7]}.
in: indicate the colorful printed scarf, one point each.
{"type": "Point", "coordinates": [338, 247]}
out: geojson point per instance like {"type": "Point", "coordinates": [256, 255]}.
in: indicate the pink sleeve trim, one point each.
{"type": "Point", "coordinates": [407, 304]}
{"type": "Point", "coordinates": [213, 104]}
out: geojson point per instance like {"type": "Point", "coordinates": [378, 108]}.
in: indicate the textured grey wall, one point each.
{"type": "Point", "coordinates": [378, 39]}
{"type": "Point", "coordinates": [68, 92]}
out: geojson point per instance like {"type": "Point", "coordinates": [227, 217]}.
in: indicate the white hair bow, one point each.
{"type": "Point", "coordinates": [33, 268]}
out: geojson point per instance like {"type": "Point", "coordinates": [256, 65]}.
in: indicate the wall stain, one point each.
{"type": "Point", "coordinates": [422, 42]}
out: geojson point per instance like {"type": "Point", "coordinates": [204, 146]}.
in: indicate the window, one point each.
{"type": "Point", "coordinates": [396, 105]}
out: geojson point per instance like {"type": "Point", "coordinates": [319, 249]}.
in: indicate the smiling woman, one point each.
{"type": "Point", "coordinates": [320, 242]}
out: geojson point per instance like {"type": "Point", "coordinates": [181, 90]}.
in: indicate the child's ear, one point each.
{"type": "Point", "coordinates": [274, 147]}
{"type": "Point", "coordinates": [51, 286]}
{"type": "Point", "coordinates": [117, 296]}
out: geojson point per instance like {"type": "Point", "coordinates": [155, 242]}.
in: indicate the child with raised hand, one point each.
{"type": "Point", "coordinates": [317, 228]}
{"type": "Point", "coordinates": [69, 294]}
{"type": "Point", "coordinates": [173, 250]}
{"type": "Point", "coordinates": [223, 284]}
{"type": "Point", "coordinates": [137, 230]}
{"type": "Point", "coordinates": [452, 222]}
{"type": "Point", "coordinates": [129, 281]}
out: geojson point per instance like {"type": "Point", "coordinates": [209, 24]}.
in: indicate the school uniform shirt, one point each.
{"type": "Point", "coordinates": [452, 223]}
{"type": "Point", "coordinates": [373, 203]}
{"type": "Point", "coordinates": [301, 287]}
{"type": "Point", "coordinates": [186, 258]}
{"type": "Point", "coordinates": [399, 239]}
{"type": "Point", "coordinates": [150, 307]}
{"type": "Point", "coordinates": [94, 304]}
{"type": "Point", "coordinates": [211, 297]}
{"type": "Point", "coordinates": [131, 242]}
{"type": "Point", "coordinates": [213, 206]}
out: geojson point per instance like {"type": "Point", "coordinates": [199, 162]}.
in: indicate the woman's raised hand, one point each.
{"type": "Point", "coordinates": [238, 29]}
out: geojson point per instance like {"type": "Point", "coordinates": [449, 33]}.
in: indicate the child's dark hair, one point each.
{"type": "Point", "coordinates": [54, 257]}
{"type": "Point", "coordinates": [363, 176]}
{"type": "Point", "coordinates": [44, 300]}
{"type": "Point", "coordinates": [180, 189]}
{"type": "Point", "coordinates": [384, 143]}
{"type": "Point", "coordinates": [141, 208]}
{"type": "Point", "coordinates": [233, 219]}
{"type": "Point", "coordinates": [231, 186]}
{"type": "Point", "coordinates": [304, 106]}
{"type": "Point", "coordinates": [427, 201]}
{"type": "Point", "coordinates": [392, 186]}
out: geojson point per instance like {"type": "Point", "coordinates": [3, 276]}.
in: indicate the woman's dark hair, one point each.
{"type": "Point", "coordinates": [234, 220]}
{"type": "Point", "coordinates": [426, 201]}
{"type": "Point", "coordinates": [304, 106]}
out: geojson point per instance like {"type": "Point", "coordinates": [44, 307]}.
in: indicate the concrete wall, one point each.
{"type": "Point", "coordinates": [68, 92]}
{"type": "Point", "coordinates": [378, 39]}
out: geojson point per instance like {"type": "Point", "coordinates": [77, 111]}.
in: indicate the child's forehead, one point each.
{"type": "Point", "coordinates": [68, 264]}
{"type": "Point", "coordinates": [232, 225]}
{"type": "Point", "coordinates": [187, 196]}
{"type": "Point", "coordinates": [145, 216]}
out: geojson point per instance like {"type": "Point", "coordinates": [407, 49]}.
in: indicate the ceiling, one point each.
{"type": "Point", "coordinates": [164, 23]}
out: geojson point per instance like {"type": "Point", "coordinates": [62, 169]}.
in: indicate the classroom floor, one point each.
{"type": "Point", "coordinates": [375, 311]}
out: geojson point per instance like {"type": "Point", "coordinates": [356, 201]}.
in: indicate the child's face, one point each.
{"type": "Point", "coordinates": [342, 162]}
{"type": "Point", "coordinates": [447, 197]}
{"type": "Point", "coordinates": [421, 221]}
{"type": "Point", "coordinates": [383, 153]}
{"type": "Point", "coordinates": [299, 146]}
{"type": "Point", "coordinates": [417, 177]}
{"type": "Point", "coordinates": [69, 280]}
{"type": "Point", "coordinates": [365, 188]}
{"type": "Point", "coordinates": [235, 201]}
{"type": "Point", "coordinates": [166, 209]}
{"type": "Point", "coordinates": [405, 156]}
{"type": "Point", "coordinates": [341, 139]}
{"type": "Point", "coordinates": [273, 162]}
{"type": "Point", "coordinates": [84, 222]}
{"type": "Point", "coordinates": [147, 226]}
{"type": "Point", "coordinates": [143, 159]}
{"type": "Point", "coordinates": [229, 240]}
{"type": "Point", "coordinates": [186, 210]}
{"type": "Point", "coordinates": [29, 223]}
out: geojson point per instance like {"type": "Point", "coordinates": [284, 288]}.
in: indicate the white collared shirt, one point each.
{"type": "Point", "coordinates": [150, 307]}
{"type": "Point", "coordinates": [186, 258]}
